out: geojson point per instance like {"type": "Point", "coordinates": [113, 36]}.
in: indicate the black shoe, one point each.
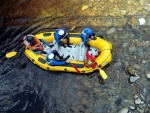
{"type": "Point", "coordinates": [89, 49]}
{"type": "Point", "coordinates": [67, 57]}
{"type": "Point", "coordinates": [69, 46]}
{"type": "Point", "coordinates": [64, 45]}
{"type": "Point", "coordinates": [44, 52]}
{"type": "Point", "coordinates": [61, 57]}
{"type": "Point", "coordinates": [51, 45]}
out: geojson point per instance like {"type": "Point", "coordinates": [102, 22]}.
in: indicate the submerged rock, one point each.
{"type": "Point", "coordinates": [131, 71]}
{"type": "Point", "coordinates": [123, 110]}
{"type": "Point", "coordinates": [138, 101]}
{"type": "Point", "coordinates": [111, 30]}
{"type": "Point", "coordinates": [132, 107]}
{"type": "Point", "coordinates": [148, 74]}
{"type": "Point", "coordinates": [133, 79]}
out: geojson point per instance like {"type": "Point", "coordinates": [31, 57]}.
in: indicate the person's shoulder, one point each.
{"type": "Point", "coordinates": [26, 42]}
{"type": "Point", "coordinates": [35, 38]}
{"type": "Point", "coordinates": [52, 63]}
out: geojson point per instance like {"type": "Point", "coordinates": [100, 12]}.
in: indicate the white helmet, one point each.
{"type": "Point", "coordinates": [61, 32]}
{"type": "Point", "coordinates": [51, 56]}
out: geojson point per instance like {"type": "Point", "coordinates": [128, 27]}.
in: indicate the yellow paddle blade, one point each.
{"type": "Point", "coordinates": [11, 54]}
{"type": "Point", "coordinates": [103, 74]}
{"type": "Point", "coordinates": [84, 7]}
{"type": "Point", "coordinates": [73, 27]}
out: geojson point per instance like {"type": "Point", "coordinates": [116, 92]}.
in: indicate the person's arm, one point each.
{"type": "Point", "coordinates": [57, 37]}
{"type": "Point", "coordinates": [37, 40]}
{"type": "Point", "coordinates": [26, 43]}
{"type": "Point", "coordinates": [84, 38]}
{"type": "Point", "coordinates": [92, 36]}
{"type": "Point", "coordinates": [33, 47]}
{"type": "Point", "coordinates": [39, 44]}
{"type": "Point", "coordinates": [57, 63]}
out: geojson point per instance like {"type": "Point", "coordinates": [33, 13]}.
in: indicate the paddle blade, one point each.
{"type": "Point", "coordinates": [103, 74]}
{"type": "Point", "coordinates": [11, 54]}
{"type": "Point", "coordinates": [73, 27]}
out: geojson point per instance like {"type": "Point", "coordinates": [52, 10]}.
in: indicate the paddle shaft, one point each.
{"type": "Point", "coordinates": [78, 71]}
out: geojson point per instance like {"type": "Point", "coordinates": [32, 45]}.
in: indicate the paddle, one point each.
{"type": "Point", "coordinates": [70, 30]}
{"type": "Point", "coordinates": [103, 74]}
{"type": "Point", "coordinates": [11, 54]}
{"type": "Point", "coordinates": [78, 71]}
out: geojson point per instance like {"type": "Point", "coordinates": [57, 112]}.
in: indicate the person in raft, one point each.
{"type": "Point", "coordinates": [87, 34]}
{"type": "Point", "coordinates": [53, 61]}
{"type": "Point", "coordinates": [59, 35]}
{"type": "Point", "coordinates": [35, 44]}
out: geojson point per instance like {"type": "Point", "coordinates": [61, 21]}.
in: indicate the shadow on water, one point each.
{"type": "Point", "coordinates": [26, 102]}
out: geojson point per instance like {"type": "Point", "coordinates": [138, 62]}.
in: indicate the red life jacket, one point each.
{"type": "Point", "coordinates": [90, 58]}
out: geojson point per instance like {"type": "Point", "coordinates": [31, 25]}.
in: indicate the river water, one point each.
{"type": "Point", "coordinates": [26, 88]}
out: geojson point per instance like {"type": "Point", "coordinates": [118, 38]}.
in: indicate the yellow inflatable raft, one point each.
{"type": "Point", "coordinates": [77, 53]}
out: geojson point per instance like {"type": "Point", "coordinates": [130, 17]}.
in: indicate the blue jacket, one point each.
{"type": "Point", "coordinates": [86, 33]}
{"type": "Point", "coordinates": [53, 62]}
{"type": "Point", "coordinates": [57, 36]}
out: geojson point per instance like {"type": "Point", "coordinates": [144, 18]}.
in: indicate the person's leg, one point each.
{"type": "Point", "coordinates": [62, 44]}
{"type": "Point", "coordinates": [87, 45]}
{"type": "Point", "coordinates": [64, 59]}
{"type": "Point", "coordinates": [46, 43]}
{"type": "Point", "coordinates": [37, 52]}
{"type": "Point", "coordinates": [88, 48]}
{"type": "Point", "coordinates": [57, 54]}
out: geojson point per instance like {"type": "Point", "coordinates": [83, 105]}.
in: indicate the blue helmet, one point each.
{"type": "Point", "coordinates": [62, 32]}
{"type": "Point", "coordinates": [88, 31]}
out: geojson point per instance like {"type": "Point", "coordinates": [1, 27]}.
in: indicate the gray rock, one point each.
{"type": "Point", "coordinates": [148, 74]}
{"type": "Point", "coordinates": [136, 66]}
{"type": "Point", "coordinates": [119, 29]}
{"type": "Point", "coordinates": [139, 44]}
{"type": "Point", "coordinates": [141, 54]}
{"type": "Point", "coordinates": [111, 92]}
{"type": "Point", "coordinates": [111, 30]}
{"type": "Point", "coordinates": [125, 44]}
{"type": "Point", "coordinates": [117, 64]}
{"type": "Point", "coordinates": [135, 96]}
{"type": "Point", "coordinates": [143, 61]}
{"type": "Point", "coordinates": [115, 36]}
{"type": "Point", "coordinates": [132, 35]}
{"type": "Point", "coordinates": [97, 110]}
{"type": "Point", "coordinates": [134, 78]}
{"type": "Point", "coordinates": [140, 110]}
{"type": "Point", "coordinates": [132, 48]}
{"type": "Point", "coordinates": [132, 107]}
{"type": "Point", "coordinates": [123, 110]}
{"type": "Point", "coordinates": [139, 49]}
{"type": "Point", "coordinates": [138, 101]}
{"type": "Point", "coordinates": [142, 106]}
{"type": "Point", "coordinates": [98, 33]}
{"type": "Point", "coordinates": [124, 36]}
